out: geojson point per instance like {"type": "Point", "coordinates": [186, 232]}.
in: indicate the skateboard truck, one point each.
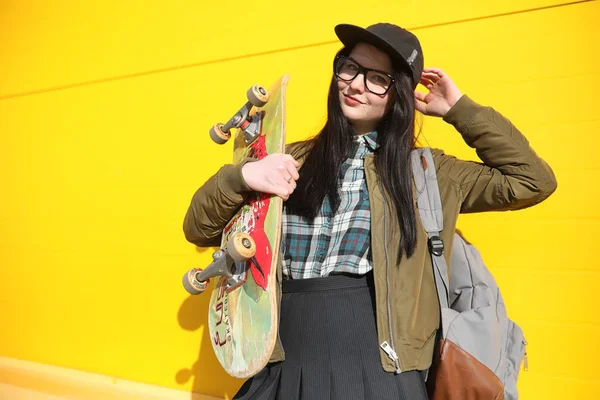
{"type": "Point", "coordinates": [240, 248]}
{"type": "Point", "coordinates": [257, 96]}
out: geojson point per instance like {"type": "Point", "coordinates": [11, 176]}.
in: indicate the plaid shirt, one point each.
{"type": "Point", "coordinates": [337, 242]}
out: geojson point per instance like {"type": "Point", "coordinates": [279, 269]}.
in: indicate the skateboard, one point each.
{"type": "Point", "coordinates": [243, 312]}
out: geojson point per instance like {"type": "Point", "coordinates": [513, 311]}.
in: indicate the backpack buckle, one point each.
{"type": "Point", "coordinates": [436, 245]}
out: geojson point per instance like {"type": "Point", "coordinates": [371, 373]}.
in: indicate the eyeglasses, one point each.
{"type": "Point", "coordinates": [376, 82]}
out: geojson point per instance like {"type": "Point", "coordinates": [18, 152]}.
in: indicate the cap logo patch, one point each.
{"type": "Point", "coordinates": [412, 57]}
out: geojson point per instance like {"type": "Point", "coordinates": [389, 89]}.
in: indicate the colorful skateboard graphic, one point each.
{"type": "Point", "coordinates": [243, 315]}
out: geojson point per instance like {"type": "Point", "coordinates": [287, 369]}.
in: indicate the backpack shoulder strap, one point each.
{"type": "Point", "coordinates": [429, 204]}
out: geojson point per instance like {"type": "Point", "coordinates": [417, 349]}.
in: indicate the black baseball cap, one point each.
{"type": "Point", "coordinates": [402, 46]}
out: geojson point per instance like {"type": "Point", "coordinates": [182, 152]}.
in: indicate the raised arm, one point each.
{"type": "Point", "coordinates": [512, 176]}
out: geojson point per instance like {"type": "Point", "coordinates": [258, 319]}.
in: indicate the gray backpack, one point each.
{"type": "Point", "coordinates": [481, 349]}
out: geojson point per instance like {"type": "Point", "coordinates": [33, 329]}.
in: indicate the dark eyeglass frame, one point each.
{"type": "Point", "coordinates": [362, 70]}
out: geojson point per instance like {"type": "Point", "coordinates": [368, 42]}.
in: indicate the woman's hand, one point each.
{"type": "Point", "coordinates": [443, 93]}
{"type": "Point", "coordinates": [275, 174]}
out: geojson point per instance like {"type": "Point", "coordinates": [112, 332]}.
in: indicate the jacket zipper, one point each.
{"type": "Point", "coordinates": [389, 349]}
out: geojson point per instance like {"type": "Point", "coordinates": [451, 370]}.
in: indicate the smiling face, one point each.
{"type": "Point", "coordinates": [364, 109]}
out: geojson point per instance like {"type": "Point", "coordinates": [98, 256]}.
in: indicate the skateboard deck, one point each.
{"type": "Point", "coordinates": [243, 311]}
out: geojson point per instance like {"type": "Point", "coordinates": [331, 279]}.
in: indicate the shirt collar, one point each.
{"type": "Point", "coordinates": [370, 140]}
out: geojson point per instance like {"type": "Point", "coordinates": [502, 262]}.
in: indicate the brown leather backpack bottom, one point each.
{"type": "Point", "coordinates": [457, 375]}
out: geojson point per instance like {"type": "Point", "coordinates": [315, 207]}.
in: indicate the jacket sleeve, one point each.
{"type": "Point", "coordinates": [511, 177]}
{"type": "Point", "coordinates": [214, 204]}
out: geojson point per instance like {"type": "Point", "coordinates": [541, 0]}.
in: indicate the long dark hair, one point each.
{"type": "Point", "coordinates": [326, 152]}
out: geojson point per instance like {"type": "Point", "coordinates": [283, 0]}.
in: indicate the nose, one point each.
{"type": "Point", "coordinates": [358, 83]}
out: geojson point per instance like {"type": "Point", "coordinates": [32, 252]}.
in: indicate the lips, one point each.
{"type": "Point", "coordinates": [352, 101]}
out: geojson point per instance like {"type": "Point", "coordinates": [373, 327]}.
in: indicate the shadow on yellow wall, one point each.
{"type": "Point", "coordinates": [192, 316]}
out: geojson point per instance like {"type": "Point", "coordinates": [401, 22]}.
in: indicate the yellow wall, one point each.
{"type": "Point", "coordinates": [104, 114]}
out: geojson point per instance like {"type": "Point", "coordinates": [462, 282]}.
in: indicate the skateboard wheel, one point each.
{"type": "Point", "coordinates": [218, 136]}
{"type": "Point", "coordinates": [241, 247]}
{"type": "Point", "coordinates": [193, 285]}
{"type": "Point", "coordinates": [258, 96]}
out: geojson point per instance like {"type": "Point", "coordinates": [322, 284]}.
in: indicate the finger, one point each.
{"type": "Point", "coordinates": [280, 190]}
{"type": "Point", "coordinates": [288, 188]}
{"type": "Point", "coordinates": [291, 169]}
{"type": "Point", "coordinates": [421, 107]}
{"type": "Point", "coordinates": [433, 77]}
{"type": "Point", "coordinates": [296, 163]}
{"type": "Point", "coordinates": [283, 171]}
{"type": "Point", "coordinates": [293, 185]}
{"type": "Point", "coordinates": [420, 96]}
{"type": "Point", "coordinates": [426, 83]}
{"type": "Point", "coordinates": [288, 174]}
{"type": "Point", "coordinates": [290, 181]}
{"type": "Point", "coordinates": [436, 71]}
{"type": "Point", "coordinates": [288, 184]}
{"type": "Point", "coordinates": [425, 80]}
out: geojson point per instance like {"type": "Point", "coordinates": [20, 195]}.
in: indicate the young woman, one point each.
{"type": "Point", "coordinates": [359, 311]}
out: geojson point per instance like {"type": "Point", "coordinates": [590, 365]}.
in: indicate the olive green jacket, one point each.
{"type": "Point", "coordinates": [511, 177]}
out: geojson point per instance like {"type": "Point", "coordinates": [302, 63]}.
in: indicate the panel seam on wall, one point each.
{"type": "Point", "coordinates": [259, 54]}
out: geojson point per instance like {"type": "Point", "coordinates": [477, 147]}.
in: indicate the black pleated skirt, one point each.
{"type": "Point", "coordinates": [328, 331]}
